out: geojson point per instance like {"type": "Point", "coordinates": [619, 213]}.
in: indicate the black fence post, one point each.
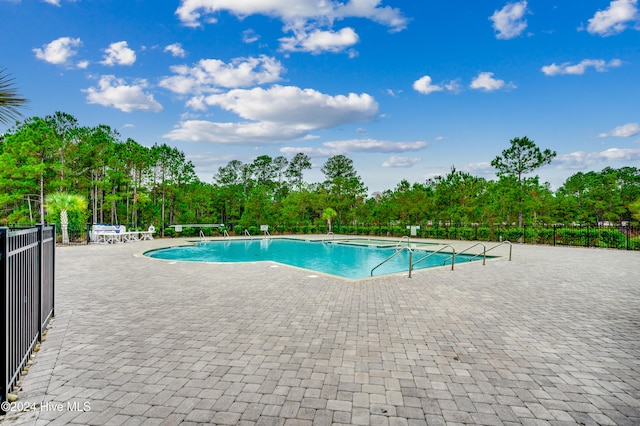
{"type": "Point", "coordinates": [628, 236]}
{"type": "Point", "coordinates": [4, 323]}
{"type": "Point", "coordinates": [554, 235]}
{"type": "Point", "coordinates": [41, 273]}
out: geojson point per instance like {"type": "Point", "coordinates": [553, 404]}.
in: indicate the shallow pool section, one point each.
{"type": "Point", "coordinates": [344, 260]}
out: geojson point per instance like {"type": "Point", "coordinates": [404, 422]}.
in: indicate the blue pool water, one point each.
{"type": "Point", "coordinates": [344, 260]}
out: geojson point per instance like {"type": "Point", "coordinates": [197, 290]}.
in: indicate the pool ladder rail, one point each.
{"type": "Point", "coordinates": [483, 254]}
{"type": "Point", "coordinates": [333, 236]}
{"type": "Point", "coordinates": [452, 258]}
{"type": "Point", "coordinates": [394, 255]}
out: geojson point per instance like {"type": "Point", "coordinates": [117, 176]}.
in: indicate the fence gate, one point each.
{"type": "Point", "coordinates": [27, 259]}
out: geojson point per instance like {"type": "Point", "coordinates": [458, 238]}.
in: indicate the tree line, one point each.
{"type": "Point", "coordinates": [129, 183]}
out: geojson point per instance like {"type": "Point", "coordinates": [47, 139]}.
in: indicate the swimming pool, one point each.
{"type": "Point", "coordinates": [352, 261]}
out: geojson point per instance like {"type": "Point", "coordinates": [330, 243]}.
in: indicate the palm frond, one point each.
{"type": "Point", "coordinates": [10, 101]}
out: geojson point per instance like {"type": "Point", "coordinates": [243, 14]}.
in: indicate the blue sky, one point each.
{"type": "Point", "coordinates": [407, 89]}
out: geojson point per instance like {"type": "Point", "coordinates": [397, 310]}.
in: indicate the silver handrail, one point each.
{"type": "Point", "coordinates": [394, 255]}
{"type": "Point", "coordinates": [399, 243]}
{"type": "Point", "coordinates": [201, 235]}
{"type": "Point", "coordinates": [453, 256]}
{"type": "Point", "coordinates": [267, 234]}
{"type": "Point", "coordinates": [333, 237]}
{"type": "Point", "coordinates": [484, 253]}
{"type": "Point", "coordinates": [246, 233]}
{"type": "Point", "coordinates": [496, 246]}
{"type": "Point", "coordinates": [225, 234]}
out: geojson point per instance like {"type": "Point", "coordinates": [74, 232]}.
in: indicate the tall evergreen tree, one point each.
{"type": "Point", "coordinates": [522, 157]}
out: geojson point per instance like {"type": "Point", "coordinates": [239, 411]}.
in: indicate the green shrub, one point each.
{"type": "Point", "coordinates": [611, 238]}
{"type": "Point", "coordinates": [484, 234]}
{"type": "Point", "coordinates": [467, 233]}
{"type": "Point", "coordinates": [187, 232]}
{"type": "Point", "coordinates": [543, 236]}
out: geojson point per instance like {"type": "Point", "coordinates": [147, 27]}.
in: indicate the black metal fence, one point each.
{"type": "Point", "coordinates": [27, 266]}
{"type": "Point", "coordinates": [621, 236]}
{"type": "Point", "coordinates": [625, 237]}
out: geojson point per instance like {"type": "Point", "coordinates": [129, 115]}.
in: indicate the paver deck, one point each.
{"type": "Point", "coordinates": [552, 337]}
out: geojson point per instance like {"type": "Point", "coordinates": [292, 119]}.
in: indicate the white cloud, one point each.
{"type": "Point", "coordinates": [351, 146]}
{"type": "Point", "coordinates": [242, 133]}
{"type": "Point", "coordinates": [209, 75]}
{"type": "Point", "coordinates": [83, 64]}
{"type": "Point", "coordinates": [624, 131]}
{"type": "Point", "coordinates": [373, 145]}
{"type": "Point", "coordinates": [275, 115]}
{"type": "Point", "coordinates": [580, 68]}
{"type": "Point", "coordinates": [615, 19]}
{"type": "Point", "coordinates": [114, 92]}
{"type": "Point", "coordinates": [51, 2]}
{"type": "Point", "coordinates": [250, 36]}
{"type": "Point", "coordinates": [508, 22]}
{"type": "Point", "coordinates": [485, 81]}
{"type": "Point", "coordinates": [300, 12]}
{"type": "Point", "coordinates": [483, 167]}
{"type": "Point", "coordinates": [59, 51]}
{"type": "Point", "coordinates": [582, 159]}
{"type": "Point", "coordinates": [176, 50]}
{"type": "Point", "coordinates": [318, 41]}
{"type": "Point", "coordinates": [404, 162]}
{"type": "Point", "coordinates": [453, 86]}
{"type": "Point", "coordinates": [119, 54]}
{"type": "Point", "coordinates": [303, 108]}
{"type": "Point", "coordinates": [310, 21]}
{"type": "Point", "coordinates": [424, 85]}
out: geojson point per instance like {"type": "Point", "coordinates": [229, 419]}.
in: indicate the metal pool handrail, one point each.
{"type": "Point", "coordinates": [399, 243]}
{"type": "Point", "coordinates": [453, 256]}
{"type": "Point", "coordinates": [496, 246]}
{"type": "Point", "coordinates": [394, 255]}
{"type": "Point", "coordinates": [484, 253]}
{"type": "Point", "coordinates": [333, 237]}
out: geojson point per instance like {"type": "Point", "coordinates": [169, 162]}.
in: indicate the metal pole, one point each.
{"type": "Point", "coordinates": [4, 328]}
{"type": "Point", "coordinates": [410, 262]}
{"type": "Point", "coordinates": [628, 235]}
{"type": "Point", "coordinates": [41, 273]}
{"type": "Point", "coordinates": [53, 272]}
{"type": "Point", "coordinates": [453, 259]}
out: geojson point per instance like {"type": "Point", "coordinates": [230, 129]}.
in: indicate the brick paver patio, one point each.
{"type": "Point", "coordinates": [552, 337]}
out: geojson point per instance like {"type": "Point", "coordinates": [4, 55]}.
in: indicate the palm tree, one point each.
{"type": "Point", "coordinates": [64, 202]}
{"type": "Point", "coordinates": [329, 214]}
{"type": "Point", "coordinates": [10, 101]}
